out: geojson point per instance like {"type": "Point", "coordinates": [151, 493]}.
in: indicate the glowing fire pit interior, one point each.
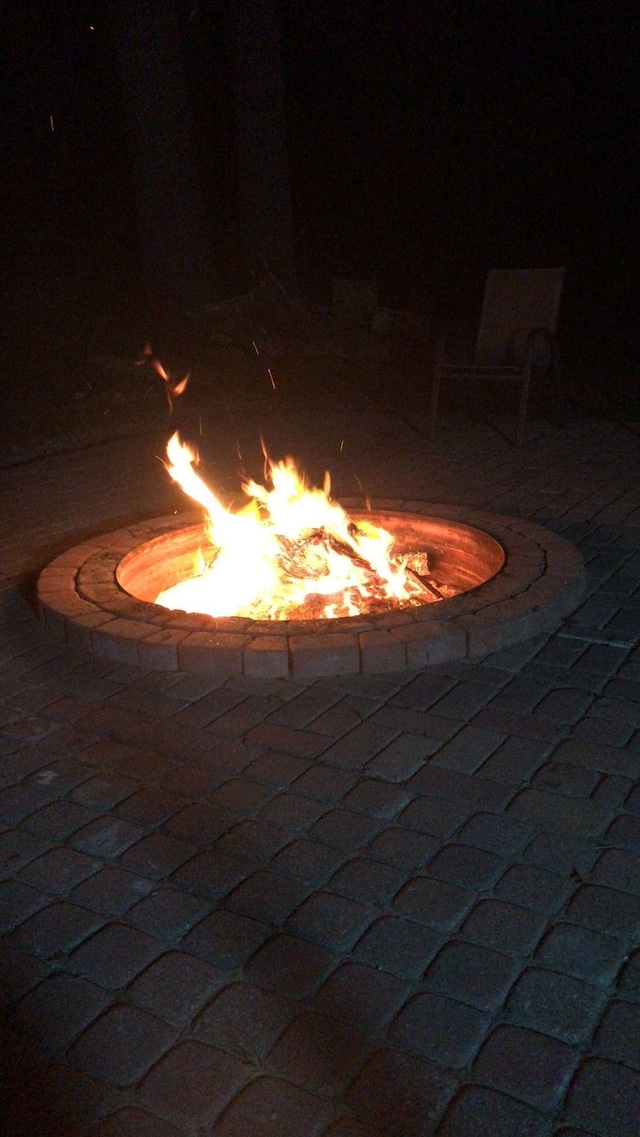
{"type": "Point", "coordinates": [291, 553]}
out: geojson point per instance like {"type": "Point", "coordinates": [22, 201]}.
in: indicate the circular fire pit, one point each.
{"type": "Point", "coordinates": [514, 579]}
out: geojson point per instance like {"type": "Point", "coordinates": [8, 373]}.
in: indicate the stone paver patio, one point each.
{"type": "Point", "coordinates": [366, 906]}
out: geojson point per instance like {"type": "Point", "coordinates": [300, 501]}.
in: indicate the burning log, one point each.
{"type": "Point", "coordinates": [292, 553]}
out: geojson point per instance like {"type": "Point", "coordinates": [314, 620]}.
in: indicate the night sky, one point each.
{"type": "Point", "coordinates": [428, 140]}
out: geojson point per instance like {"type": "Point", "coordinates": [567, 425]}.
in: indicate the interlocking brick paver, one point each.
{"type": "Point", "coordinates": [515, 760]}
{"type": "Point", "coordinates": [559, 812]}
{"type": "Point", "coordinates": [192, 1083]}
{"type": "Point", "coordinates": [605, 1097]}
{"type": "Point", "coordinates": [58, 778]}
{"type": "Point", "coordinates": [400, 759]}
{"type": "Point", "coordinates": [58, 870]}
{"type": "Point", "coordinates": [625, 831]}
{"type": "Point", "coordinates": [110, 890]}
{"type": "Point", "coordinates": [345, 829]}
{"type": "Point", "coordinates": [336, 922]}
{"type": "Point", "coordinates": [244, 1020]}
{"type": "Point", "coordinates": [55, 930]}
{"type": "Point", "coordinates": [167, 913]}
{"type": "Point", "coordinates": [618, 1036]}
{"type": "Point", "coordinates": [468, 750]}
{"type": "Point", "coordinates": [225, 939]}
{"type": "Point", "coordinates": [292, 810]}
{"type": "Point", "coordinates": [564, 778]}
{"type": "Point", "coordinates": [606, 910]}
{"type": "Point", "coordinates": [277, 769]}
{"type": "Point", "coordinates": [398, 946]}
{"type": "Point", "coordinates": [253, 840]}
{"type": "Point", "coordinates": [480, 1112]}
{"type": "Point", "coordinates": [176, 986]}
{"type": "Point", "coordinates": [562, 854]}
{"type": "Point", "coordinates": [55, 1012]}
{"type": "Point", "coordinates": [530, 1066]}
{"type": "Point", "coordinates": [405, 848]}
{"type": "Point", "coordinates": [350, 1127]}
{"type": "Point", "coordinates": [18, 901]}
{"type": "Point", "coordinates": [582, 952]}
{"type": "Point", "coordinates": [266, 1104]}
{"type": "Point", "coordinates": [363, 996]}
{"type": "Point", "coordinates": [466, 865]}
{"type": "Point", "coordinates": [17, 848]}
{"type": "Point", "coordinates": [133, 1122]}
{"type": "Point", "coordinates": [472, 973]}
{"type": "Point", "coordinates": [367, 880]}
{"type": "Point", "coordinates": [306, 860]}
{"type": "Point", "coordinates": [267, 896]}
{"type": "Point", "coordinates": [209, 873]}
{"type": "Point", "coordinates": [104, 791]}
{"type": "Point", "coordinates": [506, 927]}
{"type": "Point", "coordinates": [359, 746]}
{"type": "Point", "coordinates": [292, 967]}
{"type": "Point", "coordinates": [401, 1093]}
{"type": "Point", "coordinates": [107, 836]}
{"type": "Point", "coordinates": [56, 820]}
{"type": "Point", "coordinates": [495, 833]}
{"type": "Point", "coordinates": [324, 782]}
{"type": "Point", "coordinates": [148, 806]}
{"type": "Point", "coordinates": [319, 1054]}
{"type": "Point", "coordinates": [377, 798]}
{"type": "Point", "coordinates": [440, 1028]}
{"type": "Point", "coordinates": [630, 978]}
{"type": "Point", "coordinates": [114, 955]}
{"type": "Point", "coordinates": [240, 797]}
{"type": "Point", "coordinates": [122, 1045]}
{"type": "Point", "coordinates": [559, 1005]}
{"type": "Point", "coordinates": [618, 868]}
{"type": "Point", "coordinates": [532, 887]}
{"type": "Point", "coordinates": [438, 903]}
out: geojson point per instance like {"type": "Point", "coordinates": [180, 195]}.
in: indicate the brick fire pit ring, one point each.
{"type": "Point", "coordinates": [530, 579]}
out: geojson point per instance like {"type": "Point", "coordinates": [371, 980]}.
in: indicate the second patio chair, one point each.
{"type": "Point", "coordinates": [516, 336]}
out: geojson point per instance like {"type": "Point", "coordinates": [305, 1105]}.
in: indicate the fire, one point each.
{"type": "Point", "coordinates": [290, 553]}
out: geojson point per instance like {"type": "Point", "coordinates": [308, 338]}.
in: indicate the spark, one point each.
{"type": "Point", "coordinates": [51, 126]}
{"type": "Point", "coordinates": [255, 347]}
{"type": "Point", "coordinates": [342, 446]}
{"type": "Point", "coordinates": [271, 378]}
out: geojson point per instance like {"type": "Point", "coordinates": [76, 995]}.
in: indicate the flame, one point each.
{"type": "Point", "coordinates": [290, 552]}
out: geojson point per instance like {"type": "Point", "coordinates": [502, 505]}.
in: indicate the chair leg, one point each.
{"type": "Point", "coordinates": [435, 394]}
{"type": "Point", "coordinates": [524, 398]}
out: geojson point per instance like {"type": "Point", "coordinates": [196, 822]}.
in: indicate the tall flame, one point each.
{"type": "Point", "coordinates": [289, 552]}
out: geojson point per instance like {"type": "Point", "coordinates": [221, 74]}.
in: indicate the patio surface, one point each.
{"type": "Point", "coordinates": [388, 906]}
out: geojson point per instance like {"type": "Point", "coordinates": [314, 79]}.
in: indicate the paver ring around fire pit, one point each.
{"type": "Point", "coordinates": [541, 581]}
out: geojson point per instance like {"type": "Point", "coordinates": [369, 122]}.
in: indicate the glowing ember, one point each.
{"type": "Point", "coordinates": [291, 553]}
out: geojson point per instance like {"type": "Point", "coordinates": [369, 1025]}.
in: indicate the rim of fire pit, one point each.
{"type": "Point", "coordinates": [541, 582]}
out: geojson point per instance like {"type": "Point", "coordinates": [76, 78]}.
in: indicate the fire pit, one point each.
{"type": "Point", "coordinates": [513, 579]}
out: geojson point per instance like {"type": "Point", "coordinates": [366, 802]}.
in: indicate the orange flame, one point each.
{"type": "Point", "coordinates": [290, 547]}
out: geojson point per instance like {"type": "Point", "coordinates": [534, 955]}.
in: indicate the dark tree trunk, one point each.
{"type": "Point", "coordinates": [174, 238]}
{"type": "Point", "coordinates": [264, 198]}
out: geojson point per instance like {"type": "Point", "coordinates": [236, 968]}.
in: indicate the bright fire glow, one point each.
{"type": "Point", "coordinates": [289, 553]}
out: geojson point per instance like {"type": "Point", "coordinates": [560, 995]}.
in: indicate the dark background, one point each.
{"type": "Point", "coordinates": [428, 140]}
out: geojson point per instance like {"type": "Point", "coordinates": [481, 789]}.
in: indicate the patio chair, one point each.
{"type": "Point", "coordinates": [516, 337]}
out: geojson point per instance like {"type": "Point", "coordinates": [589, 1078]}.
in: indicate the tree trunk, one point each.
{"type": "Point", "coordinates": [174, 238]}
{"type": "Point", "coordinates": [264, 197]}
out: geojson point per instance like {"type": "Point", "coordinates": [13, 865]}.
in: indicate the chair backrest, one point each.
{"type": "Point", "coordinates": [515, 301]}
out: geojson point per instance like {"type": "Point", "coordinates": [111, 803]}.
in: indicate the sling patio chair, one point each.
{"type": "Point", "coordinates": [516, 338]}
